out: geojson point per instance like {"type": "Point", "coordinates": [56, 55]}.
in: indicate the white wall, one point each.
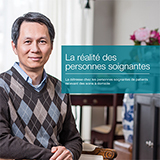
{"type": "Point", "coordinates": [116, 20]}
{"type": "Point", "coordinates": [130, 15]}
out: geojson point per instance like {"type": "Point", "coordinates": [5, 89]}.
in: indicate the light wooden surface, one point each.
{"type": "Point", "coordinates": [90, 157]}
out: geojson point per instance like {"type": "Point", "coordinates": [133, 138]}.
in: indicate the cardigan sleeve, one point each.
{"type": "Point", "coordinates": [12, 146]}
{"type": "Point", "coordinates": [70, 137]}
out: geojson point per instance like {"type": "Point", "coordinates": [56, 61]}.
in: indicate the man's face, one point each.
{"type": "Point", "coordinates": [33, 46]}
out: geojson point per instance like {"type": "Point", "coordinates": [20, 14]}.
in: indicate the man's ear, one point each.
{"type": "Point", "coordinates": [14, 47]}
{"type": "Point", "coordinates": [52, 46]}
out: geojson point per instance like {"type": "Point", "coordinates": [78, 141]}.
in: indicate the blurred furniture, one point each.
{"type": "Point", "coordinates": [108, 133]}
{"type": "Point", "coordinates": [123, 149]}
{"type": "Point", "coordinates": [90, 157]}
{"type": "Point", "coordinates": [146, 139]}
{"type": "Point", "coordinates": [102, 100]}
{"type": "Point", "coordinates": [92, 152]}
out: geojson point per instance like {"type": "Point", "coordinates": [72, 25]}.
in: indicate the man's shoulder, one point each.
{"type": "Point", "coordinates": [53, 79]}
{"type": "Point", "coordinates": [58, 85]}
{"type": "Point", "coordinates": [5, 76]}
{"type": "Point", "coordinates": [5, 79]}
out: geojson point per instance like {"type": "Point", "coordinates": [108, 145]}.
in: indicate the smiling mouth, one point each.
{"type": "Point", "coordinates": [35, 58]}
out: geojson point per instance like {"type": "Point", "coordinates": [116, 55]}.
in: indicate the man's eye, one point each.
{"type": "Point", "coordinates": [43, 41]}
{"type": "Point", "coordinates": [27, 42]}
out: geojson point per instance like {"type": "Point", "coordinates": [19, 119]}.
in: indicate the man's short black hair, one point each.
{"type": "Point", "coordinates": [31, 17]}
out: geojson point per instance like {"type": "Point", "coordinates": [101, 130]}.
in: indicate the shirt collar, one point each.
{"type": "Point", "coordinates": [27, 78]}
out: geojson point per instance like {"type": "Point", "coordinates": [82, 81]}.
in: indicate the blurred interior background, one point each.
{"type": "Point", "coordinates": [104, 22]}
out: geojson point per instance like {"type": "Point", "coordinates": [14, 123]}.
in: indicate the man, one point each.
{"type": "Point", "coordinates": [36, 121]}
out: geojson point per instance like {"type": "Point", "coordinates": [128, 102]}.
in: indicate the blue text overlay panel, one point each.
{"type": "Point", "coordinates": [111, 69]}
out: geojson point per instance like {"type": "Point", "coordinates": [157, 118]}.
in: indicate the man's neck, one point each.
{"type": "Point", "coordinates": [36, 75]}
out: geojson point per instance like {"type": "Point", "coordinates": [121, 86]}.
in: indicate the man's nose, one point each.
{"type": "Point", "coordinates": [35, 47]}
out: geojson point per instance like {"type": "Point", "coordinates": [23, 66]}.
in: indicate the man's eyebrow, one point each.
{"type": "Point", "coordinates": [27, 38]}
{"type": "Point", "coordinates": [43, 37]}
